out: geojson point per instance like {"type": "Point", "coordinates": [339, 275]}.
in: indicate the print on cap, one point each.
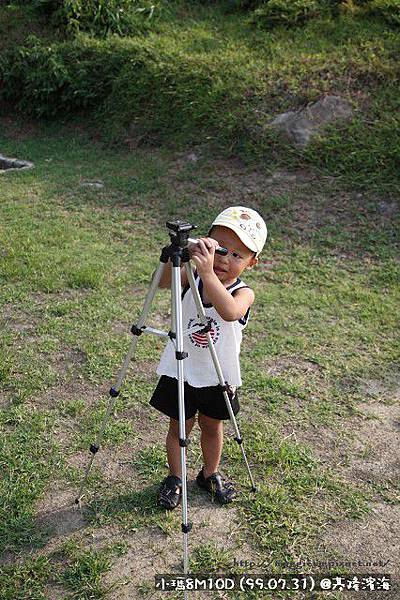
{"type": "Point", "coordinates": [199, 339]}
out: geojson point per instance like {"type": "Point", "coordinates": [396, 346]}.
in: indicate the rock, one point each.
{"type": "Point", "coordinates": [299, 126]}
{"type": "Point", "coordinates": [388, 209]}
{"type": "Point", "coordinates": [93, 184]}
{"type": "Point", "coordinates": [11, 164]}
{"type": "Point", "coordinates": [192, 157]}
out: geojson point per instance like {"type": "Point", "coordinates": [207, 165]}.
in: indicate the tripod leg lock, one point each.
{"type": "Point", "coordinates": [186, 528]}
{"type": "Point", "coordinates": [114, 393]}
{"type": "Point", "coordinates": [181, 355]}
{"type": "Point", "coordinates": [164, 258]}
{"type": "Point", "coordinates": [184, 443]}
{"type": "Point", "coordinates": [94, 448]}
{"type": "Point", "coordinates": [136, 330]}
{"type": "Point", "coordinates": [207, 328]}
{"type": "Point", "coordinates": [238, 440]}
{"type": "Point", "coordinates": [185, 255]}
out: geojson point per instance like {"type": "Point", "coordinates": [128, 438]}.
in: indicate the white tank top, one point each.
{"type": "Point", "coordinates": [198, 367]}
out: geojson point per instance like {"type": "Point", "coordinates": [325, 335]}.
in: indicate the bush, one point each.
{"type": "Point", "coordinates": [288, 14]}
{"type": "Point", "coordinates": [97, 17]}
{"type": "Point", "coordinates": [100, 17]}
{"type": "Point", "coordinates": [59, 78]}
{"type": "Point", "coordinates": [163, 89]}
{"type": "Point", "coordinates": [387, 9]}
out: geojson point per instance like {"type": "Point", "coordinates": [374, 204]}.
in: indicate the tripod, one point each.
{"type": "Point", "coordinates": [177, 252]}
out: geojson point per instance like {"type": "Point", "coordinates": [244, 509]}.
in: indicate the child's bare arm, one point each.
{"type": "Point", "coordinates": [229, 307]}
{"type": "Point", "coordinates": [166, 277]}
{"type": "Point", "coordinates": [165, 281]}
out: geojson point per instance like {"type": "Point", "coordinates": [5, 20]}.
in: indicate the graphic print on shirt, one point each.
{"type": "Point", "coordinates": [199, 339]}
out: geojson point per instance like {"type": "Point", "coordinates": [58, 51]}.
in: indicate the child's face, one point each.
{"type": "Point", "coordinates": [228, 268]}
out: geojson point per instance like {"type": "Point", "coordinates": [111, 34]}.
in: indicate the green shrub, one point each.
{"type": "Point", "coordinates": [97, 17]}
{"type": "Point", "coordinates": [366, 148]}
{"type": "Point", "coordinates": [169, 92]}
{"type": "Point", "coordinates": [242, 5]}
{"type": "Point", "coordinates": [100, 17]}
{"type": "Point", "coordinates": [161, 87]}
{"type": "Point", "coordinates": [47, 6]}
{"type": "Point", "coordinates": [51, 79]}
{"type": "Point", "coordinates": [388, 9]}
{"type": "Point", "coordinates": [288, 14]}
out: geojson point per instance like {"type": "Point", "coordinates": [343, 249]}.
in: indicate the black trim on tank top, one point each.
{"type": "Point", "coordinates": [243, 320]}
{"type": "Point", "coordinates": [208, 305]}
{"type": "Point", "coordinates": [187, 286]}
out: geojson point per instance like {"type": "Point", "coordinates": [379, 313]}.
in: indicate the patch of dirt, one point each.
{"type": "Point", "coordinates": [294, 364]}
{"type": "Point", "coordinates": [372, 543]}
{"type": "Point", "coordinates": [54, 592]}
{"type": "Point", "coordinates": [18, 320]}
{"type": "Point", "coordinates": [368, 452]}
{"type": "Point", "coordinates": [377, 443]}
{"type": "Point", "coordinates": [57, 518]}
{"type": "Point", "coordinates": [231, 178]}
{"type": "Point", "coordinates": [59, 515]}
{"type": "Point", "coordinates": [115, 464]}
{"type": "Point", "coordinates": [365, 452]}
{"type": "Point", "coordinates": [153, 552]}
{"type": "Point", "coordinates": [150, 550]}
{"type": "Point", "coordinates": [25, 129]}
{"type": "Point", "coordinates": [75, 389]}
{"type": "Point", "coordinates": [387, 390]}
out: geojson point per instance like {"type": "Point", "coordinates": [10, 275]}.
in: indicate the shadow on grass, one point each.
{"type": "Point", "coordinates": [131, 509]}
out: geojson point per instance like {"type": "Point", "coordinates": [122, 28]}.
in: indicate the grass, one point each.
{"type": "Point", "coordinates": [29, 458]}
{"type": "Point", "coordinates": [76, 263]}
{"type": "Point", "coordinates": [25, 581]}
{"type": "Point", "coordinates": [203, 77]}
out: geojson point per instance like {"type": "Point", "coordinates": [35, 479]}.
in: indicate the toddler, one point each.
{"type": "Point", "coordinates": [227, 301]}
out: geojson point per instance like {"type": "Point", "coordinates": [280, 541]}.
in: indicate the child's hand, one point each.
{"type": "Point", "coordinates": [202, 255]}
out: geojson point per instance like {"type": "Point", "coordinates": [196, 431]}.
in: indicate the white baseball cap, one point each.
{"type": "Point", "coordinates": [248, 225]}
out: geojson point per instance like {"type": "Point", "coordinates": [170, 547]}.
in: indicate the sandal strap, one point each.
{"type": "Point", "coordinates": [217, 486]}
{"type": "Point", "coordinates": [170, 491]}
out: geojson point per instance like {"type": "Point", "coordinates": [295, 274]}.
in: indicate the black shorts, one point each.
{"type": "Point", "coordinates": [209, 401]}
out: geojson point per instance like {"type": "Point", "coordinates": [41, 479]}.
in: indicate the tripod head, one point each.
{"type": "Point", "coordinates": [180, 232]}
{"type": "Point", "coordinates": [180, 237]}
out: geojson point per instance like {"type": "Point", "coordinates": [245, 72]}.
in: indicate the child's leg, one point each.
{"type": "Point", "coordinates": [211, 440]}
{"type": "Point", "coordinates": [173, 448]}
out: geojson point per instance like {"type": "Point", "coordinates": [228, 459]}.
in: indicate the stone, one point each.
{"type": "Point", "coordinates": [93, 184]}
{"type": "Point", "coordinates": [12, 164]}
{"type": "Point", "coordinates": [300, 125]}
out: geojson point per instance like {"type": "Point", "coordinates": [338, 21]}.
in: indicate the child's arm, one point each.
{"type": "Point", "coordinates": [166, 277]}
{"type": "Point", "coordinates": [165, 281]}
{"type": "Point", "coordinates": [230, 308]}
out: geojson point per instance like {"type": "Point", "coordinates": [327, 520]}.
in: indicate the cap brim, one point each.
{"type": "Point", "coordinates": [242, 235]}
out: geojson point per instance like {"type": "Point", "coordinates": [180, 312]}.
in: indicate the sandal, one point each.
{"type": "Point", "coordinates": [217, 486]}
{"type": "Point", "coordinates": [170, 492]}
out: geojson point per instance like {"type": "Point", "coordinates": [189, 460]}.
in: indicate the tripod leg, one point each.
{"type": "Point", "coordinates": [203, 318]}
{"type": "Point", "coordinates": [114, 391]}
{"type": "Point", "coordinates": [180, 356]}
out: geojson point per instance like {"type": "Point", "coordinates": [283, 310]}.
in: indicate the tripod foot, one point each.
{"type": "Point", "coordinates": [254, 489]}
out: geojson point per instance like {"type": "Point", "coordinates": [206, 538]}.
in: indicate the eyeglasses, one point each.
{"type": "Point", "coordinates": [235, 255]}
